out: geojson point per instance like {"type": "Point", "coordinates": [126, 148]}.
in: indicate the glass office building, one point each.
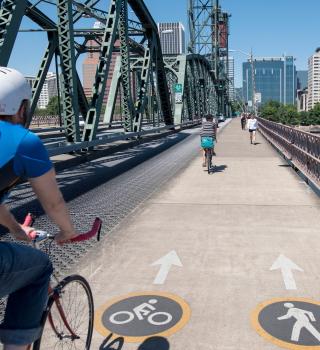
{"type": "Point", "coordinates": [275, 79]}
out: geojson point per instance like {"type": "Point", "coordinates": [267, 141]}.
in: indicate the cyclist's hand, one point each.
{"type": "Point", "coordinates": [64, 237]}
{"type": "Point", "coordinates": [22, 234]}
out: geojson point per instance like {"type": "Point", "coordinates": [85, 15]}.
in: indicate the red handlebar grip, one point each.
{"type": "Point", "coordinates": [96, 227]}
{"type": "Point", "coordinates": [29, 220]}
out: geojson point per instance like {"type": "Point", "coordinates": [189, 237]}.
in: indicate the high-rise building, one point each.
{"type": "Point", "coordinates": [302, 79]}
{"type": "Point", "coordinates": [314, 80]}
{"type": "Point", "coordinates": [238, 92]}
{"type": "Point", "coordinates": [230, 68]}
{"type": "Point", "coordinates": [302, 100]}
{"type": "Point", "coordinates": [49, 89]}
{"type": "Point", "coordinates": [274, 78]}
{"type": "Point", "coordinates": [172, 37]}
{"type": "Point", "coordinates": [302, 90]}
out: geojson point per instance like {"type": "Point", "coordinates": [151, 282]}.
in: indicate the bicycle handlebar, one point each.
{"type": "Point", "coordinates": [40, 235]}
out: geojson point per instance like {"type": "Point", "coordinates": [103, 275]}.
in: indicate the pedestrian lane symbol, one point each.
{"type": "Point", "coordinates": [292, 323]}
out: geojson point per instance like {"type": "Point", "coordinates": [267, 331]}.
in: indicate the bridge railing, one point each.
{"type": "Point", "coordinates": [41, 120]}
{"type": "Point", "coordinates": [299, 147]}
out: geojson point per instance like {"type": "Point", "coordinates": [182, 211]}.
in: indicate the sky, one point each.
{"type": "Point", "coordinates": [268, 27]}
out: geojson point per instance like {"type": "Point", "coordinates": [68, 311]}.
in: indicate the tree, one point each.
{"type": "Point", "coordinates": [53, 106]}
{"type": "Point", "coordinates": [270, 111]}
{"type": "Point", "coordinates": [314, 115]}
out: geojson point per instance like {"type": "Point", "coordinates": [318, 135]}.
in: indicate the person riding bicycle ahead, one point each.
{"type": "Point", "coordinates": [208, 136]}
{"type": "Point", "coordinates": [24, 271]}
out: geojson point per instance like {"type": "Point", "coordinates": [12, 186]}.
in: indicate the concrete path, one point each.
{"type": "Point", "coordinates": [227, 229]}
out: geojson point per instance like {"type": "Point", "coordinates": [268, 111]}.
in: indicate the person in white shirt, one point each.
{"type": "Point", "coordinates": [252, 126]}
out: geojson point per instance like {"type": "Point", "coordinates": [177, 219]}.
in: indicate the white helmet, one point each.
{"type": "Point", "coordinates": [14, 88]}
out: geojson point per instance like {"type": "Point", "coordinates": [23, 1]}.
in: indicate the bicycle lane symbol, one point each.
{"type": "Point", "coordinates": [141, 312]}
{"type": "Point", "coordinates": [138, 316]}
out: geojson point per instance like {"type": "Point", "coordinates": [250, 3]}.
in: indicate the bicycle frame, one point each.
{"type": "Point", "coordinates": [55, 295]}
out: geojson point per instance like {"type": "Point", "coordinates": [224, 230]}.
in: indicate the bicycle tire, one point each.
{"type": "Point", "coordinates": [209, 160]}
{"type": "Point", "coordinates": [49, 338]}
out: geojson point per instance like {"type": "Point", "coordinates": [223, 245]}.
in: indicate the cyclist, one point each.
{"type": "Point", "coordinates": [208, 135]}
{"type": "Point", "coordinates": [24, 271]}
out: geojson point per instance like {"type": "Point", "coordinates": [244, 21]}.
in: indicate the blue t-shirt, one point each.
{"type": "Point", "coordinates": [22, 155]}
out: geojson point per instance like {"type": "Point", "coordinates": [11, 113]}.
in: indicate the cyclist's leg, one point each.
{"type": "Point", "coordinates": [24, 276]}
{"type": "Point", "coordinates": [203, 157]}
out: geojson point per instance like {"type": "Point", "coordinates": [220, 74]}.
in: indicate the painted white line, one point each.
{"type": "Point", "coordinates": [166, 263]}
{"type": "Point", "coordinates": [286, 266]}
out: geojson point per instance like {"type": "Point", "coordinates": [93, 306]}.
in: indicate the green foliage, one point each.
{"type": "Point", "coordinates": [40, 112]}
{"type": "Point", "coordinates": [236, 106]}
{"type": "Point", "coordinates": [53, 106]}
{"type": "Point", "coordinates": [288, 115]}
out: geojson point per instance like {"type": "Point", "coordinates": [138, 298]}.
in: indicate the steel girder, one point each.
{"type": "Point", "coordinates": [113, 93]}
{"type": "Point", "coordinates": [140, 105]}
{"type": "Point", "coordinates": [127, 104]}
{"type": "Point", "coordinates": [147, 80]}
{"type": "Point", "coordinates": [69, 91]}
{"type": "Point", "coordinates": [194, 73]}
{"type": "Point", "coordinates": [151, 30]}
{"type": "Point", "coordinates": [107, 44]}
{"type": "Point", "coordinates": [11, 14]}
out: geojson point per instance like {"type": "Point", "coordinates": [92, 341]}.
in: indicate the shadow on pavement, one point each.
{"type": "Point", "coordinates": [155, 343]}
{"type": "Point", "coordinates": [219, 168]}
{"type": "Point", "coordinates": [81, 179]}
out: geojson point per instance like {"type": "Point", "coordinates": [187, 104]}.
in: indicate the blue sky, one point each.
{"type": "Point", "coordinates": [269, 27]}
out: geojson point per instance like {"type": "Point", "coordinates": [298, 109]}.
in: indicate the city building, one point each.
{"type": "Point", "coordinates": [49, 89]}
{"type": "Point", "coordinates": [231, 88]}
{"type": "Point", "coordinates": [302, 90]}
{"type": "Point", "coordinates": [274, 79]}
{"type": "Point", "coordinates": [238, 92]}
{"type": "Point", "coordinates": [172, 38]}
{"type": "Point", "coordinates": [314, 79]}
{"type": "Point", "coordinates": [302, 79]}
{"type": "Point", "coordinates": [89, 67]}
{"type": "Point", "coordinates": [302, 100]}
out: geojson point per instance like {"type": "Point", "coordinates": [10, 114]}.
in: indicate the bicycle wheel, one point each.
{"type": "Point", "coordinates": [209, 160]}
{"type": "Point", "coordinates": [68, 320]}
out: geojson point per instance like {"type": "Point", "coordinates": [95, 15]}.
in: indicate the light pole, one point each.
{"type": "Point", "coordinates": [253, 80]}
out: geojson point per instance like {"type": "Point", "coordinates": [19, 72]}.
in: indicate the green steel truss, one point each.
{"type": "Point", "coordinates": [11, 14]}
{"type": "Point", "coordinates": [209, 30]}
{"type": "Point", "coordinates": [69, 89]}
{"type": "Point", "coordinates": [143, 82]}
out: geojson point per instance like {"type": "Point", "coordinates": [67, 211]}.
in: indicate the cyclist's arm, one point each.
{"type": "Point", "coordinates": [50, 197]}
{"type": "Point", "coordinates": [33, 162]}
{"type": "Point", "coordinates": [215, 131]}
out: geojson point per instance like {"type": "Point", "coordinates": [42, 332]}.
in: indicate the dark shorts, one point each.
{"type": "Point", "coordinates": [252, 130]}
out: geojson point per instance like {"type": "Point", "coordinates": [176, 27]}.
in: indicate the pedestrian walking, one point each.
{"type": "Point", "coordinates": [252, 126]}
{"type": "Point", "coordinates": [243, 121]}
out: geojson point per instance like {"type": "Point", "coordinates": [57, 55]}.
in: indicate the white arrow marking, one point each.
{"type": "Point", "coordinates": [166, 263]}
{"type": "Point", "coordinates": [287, 266]}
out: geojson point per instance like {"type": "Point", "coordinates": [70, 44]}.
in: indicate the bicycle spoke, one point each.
{"type": "Point", "coordinates": [72, 319]}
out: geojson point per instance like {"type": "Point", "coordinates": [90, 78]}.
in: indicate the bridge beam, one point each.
{"type": "Point", "coordinates": [11, 14]}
